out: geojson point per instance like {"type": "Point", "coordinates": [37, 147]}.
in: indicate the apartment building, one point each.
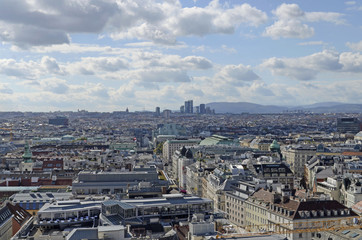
{"type": "Point", "coordinates": [297, 156]}
{"type": "Point", "coordinates": [268, 210]}
{"type": "Point", "coordinates": [170, 146]}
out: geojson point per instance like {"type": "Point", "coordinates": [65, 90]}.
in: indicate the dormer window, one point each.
{"type": "Point", "coordinates": [321, 213]}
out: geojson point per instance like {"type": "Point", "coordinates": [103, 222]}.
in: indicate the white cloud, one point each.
{"type": "Point", "coordinates": [19, 69]}
{"type": "Point", "coordinates": [28, 23]}
{"type": "Point", "coordinates": [5, 89]}
{"type": "Point", "coordinates": [307, 68]}
{"type": "Point", "coordinates": [236, 75]}
{"type": "Point", "coordinates": [160, 75]}
{"type": "Point", "coordinates": [355, 46]}
{"type": "Point", "coordinates": [289, 29]}
{"type": "Point", "coordinates": [54, 85]}
{"type": "Point", "coordinates": [352, 62]}
{"type": "Point", "coordinates": [70, 48]}
{"type": "Point", "coordinates": [30, 69]}
{"type": "Point", "coordinates": [291, 20]}
{"type": "Point", "coordinates": [51, 65]}
{"type": "Point", "coordinates": [311, 43]}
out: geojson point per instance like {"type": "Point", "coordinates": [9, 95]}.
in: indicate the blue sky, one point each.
{"type": "Point", "coordinates": [107, 55]}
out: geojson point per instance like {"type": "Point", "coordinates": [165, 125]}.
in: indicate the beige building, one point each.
{"type": "Point", "coordinates": [193, 179]}
{"type": "Point", "coordinates": [275, 211]}
{"type": "Point", "coordinates": [297, 156]}
{"type": "Point", "coordinates": [261, 144]}
{"type": "Point", "coordinates": [234, 199]}
{"type": "Point", "coordinates": [170, 146]}
{"type": "Point", "coordinates": [218, 184]}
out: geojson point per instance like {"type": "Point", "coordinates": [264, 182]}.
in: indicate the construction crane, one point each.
{"type": "Point", "coordinates": [311, 226]}
{"type": "Point", "coordinates": [11, 132]}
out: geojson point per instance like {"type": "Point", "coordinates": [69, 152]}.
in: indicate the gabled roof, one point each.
{"type": "Point", "coordinates": [305, 209]}
{"type": "Point", "coordinates": [20, 214]}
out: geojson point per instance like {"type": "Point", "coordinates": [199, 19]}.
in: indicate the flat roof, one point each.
{"type": "Point", "coordinates": [159, 201]}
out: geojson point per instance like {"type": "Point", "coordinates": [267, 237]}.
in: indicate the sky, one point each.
{"type": "Point", "coordinates": [109, 55]}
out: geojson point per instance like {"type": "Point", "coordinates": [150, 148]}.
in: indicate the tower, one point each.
{"type": "Point", "coordinates": [158, 111]}
{"type": "Point", "coordinates": [27, 154]}
{"type": "Point", "coordinates": [27, 164]}
{"type": "Point", "coordinates": [202, 108]}
{"type": "Point", "coordinates": [189, 106]}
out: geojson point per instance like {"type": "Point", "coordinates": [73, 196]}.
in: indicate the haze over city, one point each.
{"type": "Point", "coordinates": [110, 55]}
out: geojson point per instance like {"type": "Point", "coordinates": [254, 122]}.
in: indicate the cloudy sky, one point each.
{"type": "Point", "coordinates": [107, 55]}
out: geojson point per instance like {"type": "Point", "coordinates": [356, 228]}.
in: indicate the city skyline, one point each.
{"type": "Point", "coordinates": [110, 55]}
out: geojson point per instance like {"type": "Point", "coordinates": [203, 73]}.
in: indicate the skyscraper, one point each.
{"type": "Point", "coordinates": [197, 109]}
{"type": "Point", "coordinates": [158, 111]}
{"type": "Point", "coordinates": [189, 106]}
{"type": "Point", "coordinates": [202, 108]}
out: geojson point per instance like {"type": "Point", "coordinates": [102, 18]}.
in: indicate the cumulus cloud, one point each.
{"type": "Point", "coordinates": [51, 65]}
{"type": "Point", "coordinates": [261, 89]}
{"type": "Point", "coordinates": [307, 68]}
{"type": "Point", "coordinates": [236, 74]}
{"type": "Point", "coordinates": [71, 48]}
{"type": "Point", "coordinates": [19, 69]}
{"type": "Point", "coordinates": [172, 61]}
{"type": "Point", "coordinates": [52, 85]}
{"type": "Point", "coordinates": [90, 65]}
{"type": "Point", "coordinates": [27, 23]}
{"type": "Point", "coordinates": [291, 20]}
{"type": "Point", "coordinates": [160, 75]}
{"type": "Point", "coordinates": [30, 69]}
{"type": "Point", "coordinates": [355, 46]}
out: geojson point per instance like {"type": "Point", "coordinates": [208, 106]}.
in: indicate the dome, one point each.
{"type": "Point", "coordinates": [274, 146]}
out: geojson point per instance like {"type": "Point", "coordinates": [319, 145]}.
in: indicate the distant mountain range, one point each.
{"type": "Point", "coordinates": [246, 107]}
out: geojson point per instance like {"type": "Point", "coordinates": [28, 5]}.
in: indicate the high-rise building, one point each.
{"type": "Point", "coordinates": [202, 108]}
{"type": "Point", "coordinates": [346, 124]}
{"type": "Point", "coordinates": [197, 109]}
{"type": "Point", "coordinates": [182, 109]}
{"type": "Point", "coordinates": [208, 110]}
{"type": "Point", "coordinates": [166, 113]}
{"type": "Point", "coordinates": [158, 111]}
{"type": "Point", "coordinates": [189, 106]}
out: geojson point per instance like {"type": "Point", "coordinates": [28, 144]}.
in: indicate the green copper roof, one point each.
{"type": "Point", "coordinates": [27, 153]}
{"type": "Point", "coordinates": [274, 145]}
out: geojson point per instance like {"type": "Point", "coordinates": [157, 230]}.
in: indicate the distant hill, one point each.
{"type": "Point", "coordinates": [322, 104]}
{"type": "Point", "coordinates": [241, 107]}
{"type": "Point", "coordinates": [246, 107]}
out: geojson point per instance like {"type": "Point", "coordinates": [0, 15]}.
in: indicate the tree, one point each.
{"type": "Point", "coordinates": [159, 148]}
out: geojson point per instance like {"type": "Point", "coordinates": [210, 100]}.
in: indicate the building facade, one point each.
{"type": "Point", "coordinates": [297, 156]}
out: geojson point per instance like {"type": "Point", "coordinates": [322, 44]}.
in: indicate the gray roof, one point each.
{"type": "Point", "coordinates": [40, 196]}
{"type": "Point", "coordinates": [83, 233]}
{"type": "Point", "coordinates": [172, 199]}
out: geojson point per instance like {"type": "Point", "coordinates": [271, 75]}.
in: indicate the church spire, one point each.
{"type": "Point", "coordinates": [27, 156]}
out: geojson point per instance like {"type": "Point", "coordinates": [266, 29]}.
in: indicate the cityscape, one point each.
{"type": "Point", "coordinates": [180, 120]}
{"type": "Point", "coordinates": [192, 174]}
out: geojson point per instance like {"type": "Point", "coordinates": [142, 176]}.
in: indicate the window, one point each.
{"type": "Point", "coordinates": [300, 235]}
